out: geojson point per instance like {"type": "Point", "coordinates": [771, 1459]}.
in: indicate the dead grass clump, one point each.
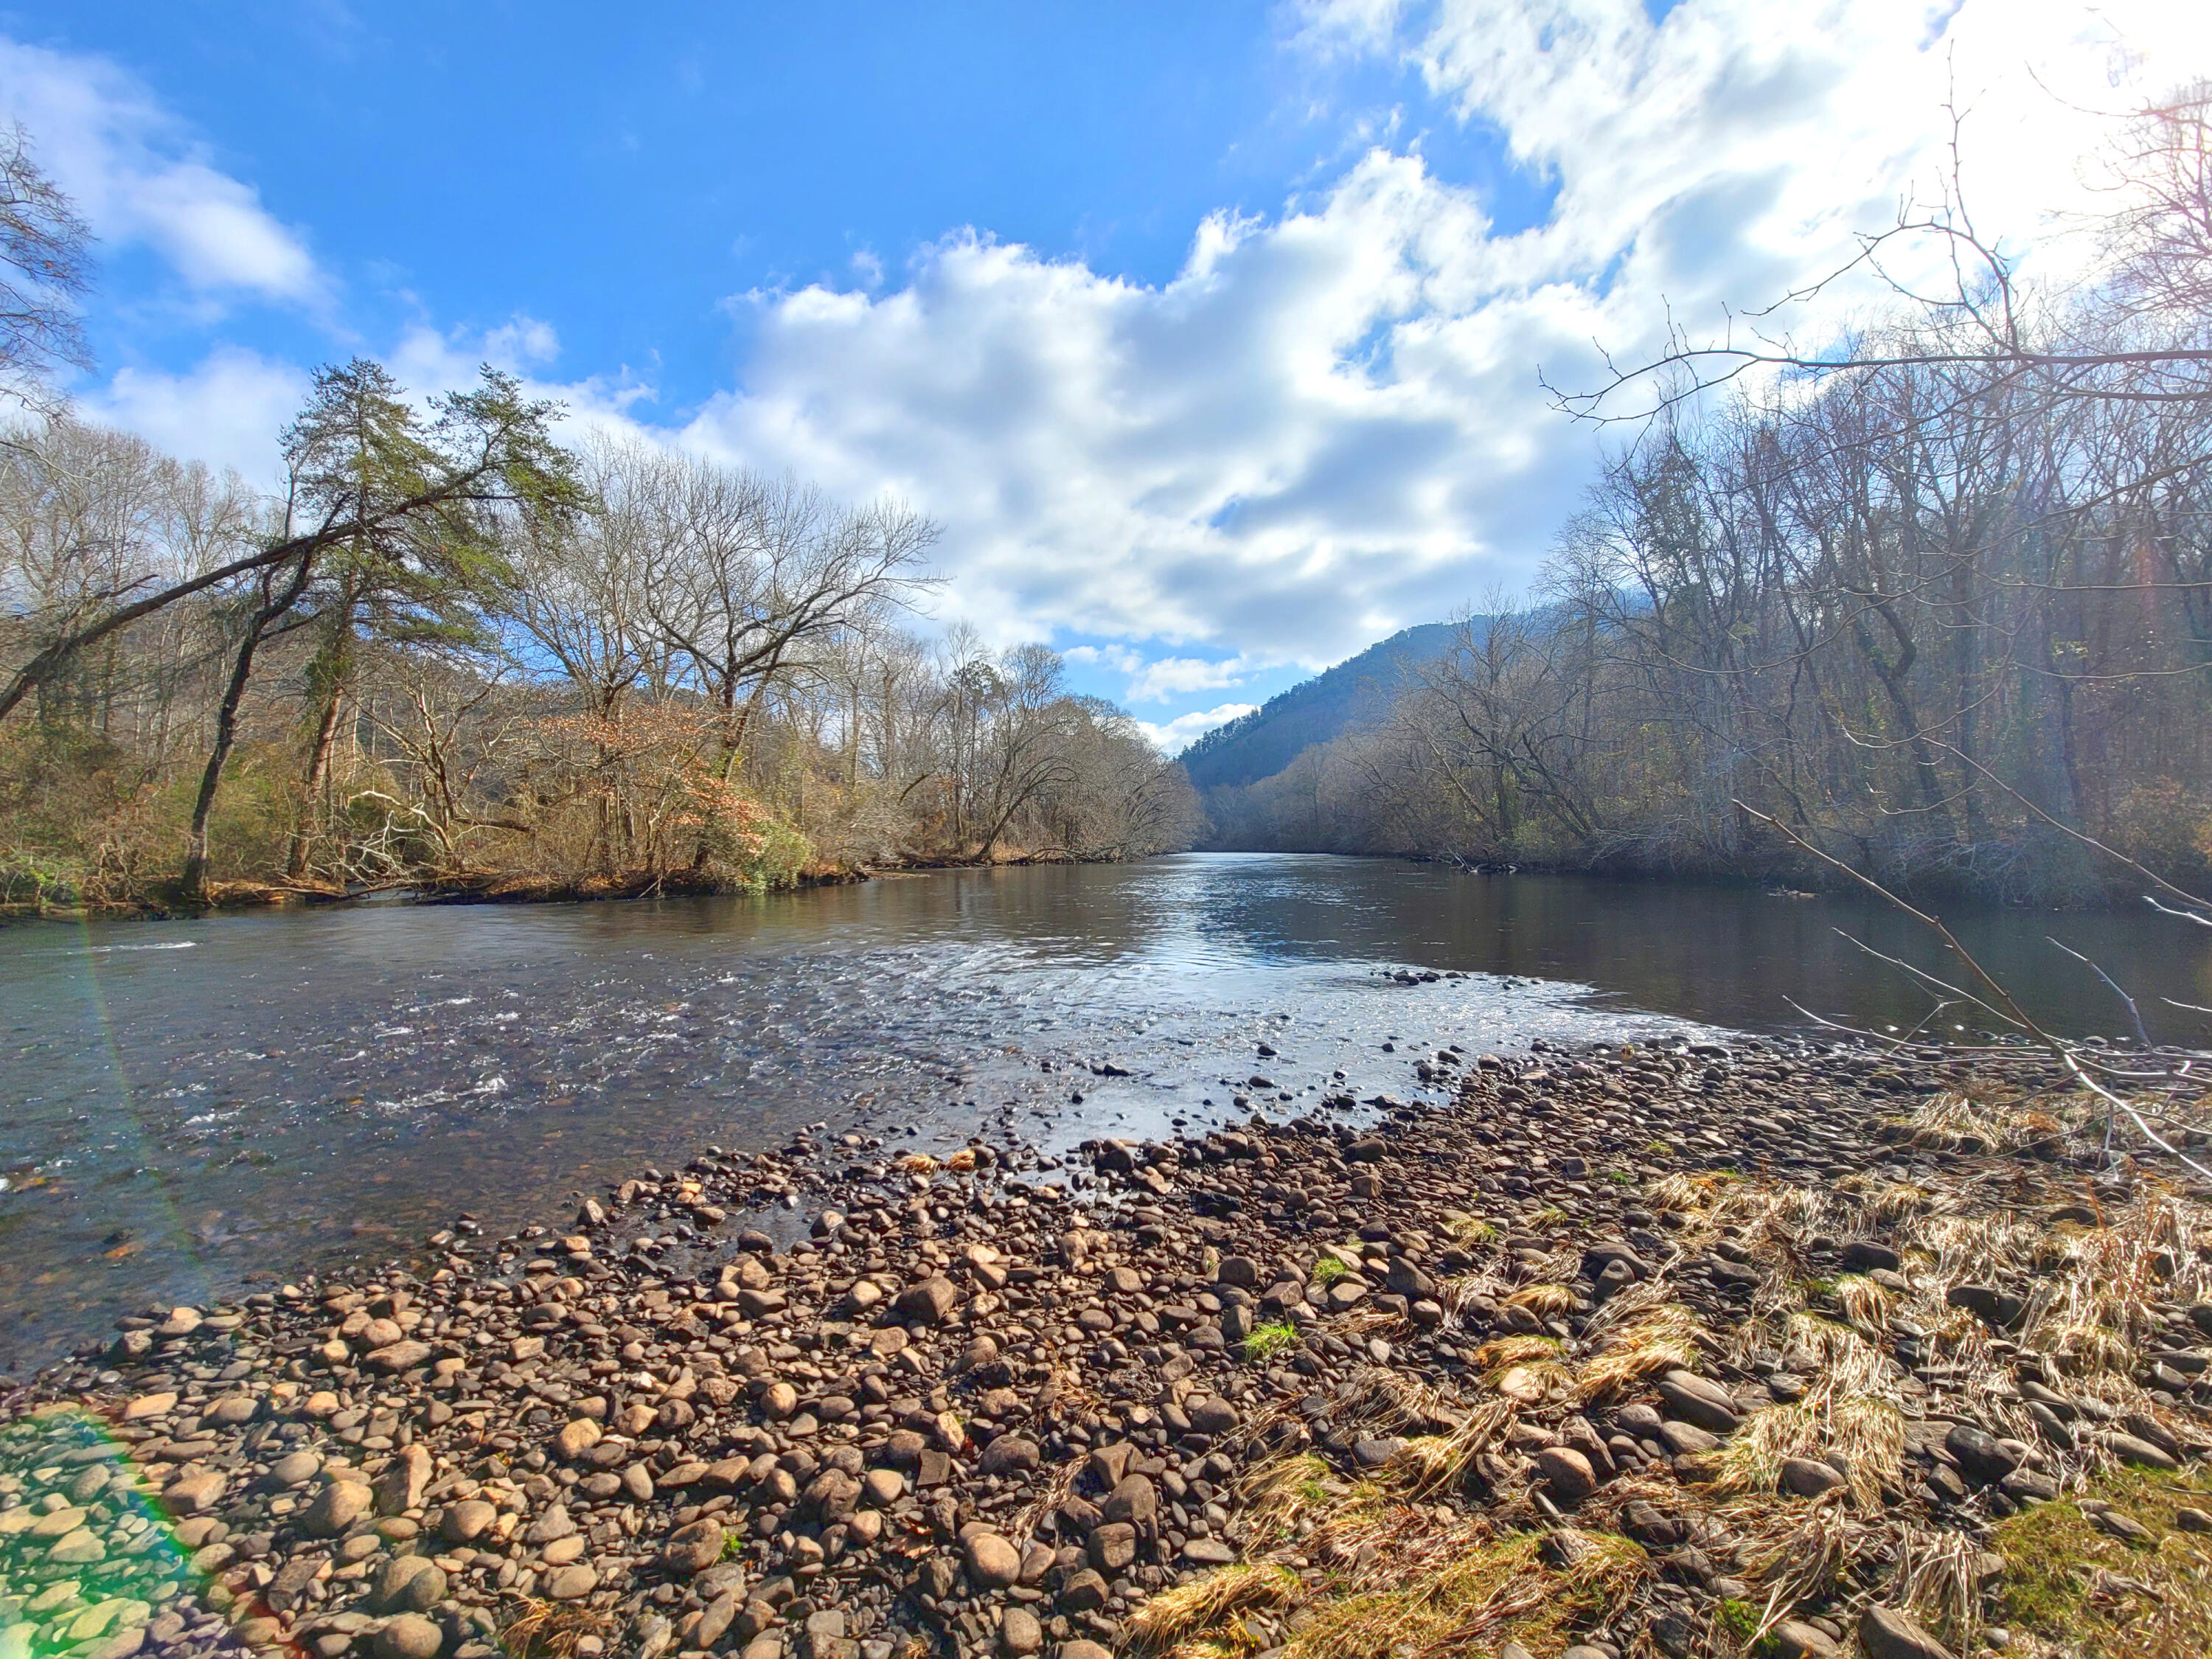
{"type": "Point", "coordinates": [1662, 1338]}
{"type": "Point", "coordinates": [1890, 1201]}
{"type": "Point", "coordinates": [1398, 1403]}
{"type": "Point", "coordinates": [1795, 1552]}
{"type": "Point", "coordinates": [1952, 1123]}
{"type": "Point", "coordinates": [1502, 1351]}
{"type": "Point", "coordinates": [1456, 1295]}
{"type": "Point", "coordinates": [1177, 1621]}
{"type": "Point", "coordinates": [1864, 1301]}
{"type": "Point", "coordinates": [1869, 1435]}
{"type": "Point", "coordinates": [1438, 1463]}
{"type": "Point", "coordinates": [1463, 1589]}
{"type": "Point", "coordinates": [1842, 1364]}
{"type": "Point", "coordinates": [2101, 1307]}
{"type": "Point", "coordinates": [550, 1630]}
{"type": "Point", "coordinates": [1544, 1301]}
{"type": "Point", "coordinates": [1940, 1575]}
{"type": "Point", "coordinates": [1468, 1229]}
{"type": "Point", "coordinates": [1679, 1192]}
{"type": "Point", "coordinates": [1280, 1493]}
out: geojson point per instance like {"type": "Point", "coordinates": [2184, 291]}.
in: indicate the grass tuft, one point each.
{"type": "Point", "coordinates": [1544, 1301]}
{"type": "Point", "coordinates": [1266, 1341]}
{"type": "Point", "coordinates": [550, 1630]}
{"type": "Point", "coordinates": [1179, 1620]}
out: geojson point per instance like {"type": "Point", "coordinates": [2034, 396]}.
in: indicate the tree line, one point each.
{"type": "Point", "coordinates": [452, 649]}
{"type": "Point", "coordinates": [1937, 604]}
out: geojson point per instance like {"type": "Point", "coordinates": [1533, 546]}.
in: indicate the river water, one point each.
{"type": "Point", "coordinates": [186, 1105]}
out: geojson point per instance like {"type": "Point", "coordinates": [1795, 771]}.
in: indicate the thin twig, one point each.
{"type": "Point", "coordinates": [2185, 915]}
{"type": "Point", "coordinates": [2018, 1015]}
{"type": "Point", "coordinates": [1921, 974]}
{"type": "Point", "coordinates": [2063, 1051]}
{"type": "Point", "coordinates": [2134, 1013]}
{"type": "Point", "coordinates": [2148, 1133]}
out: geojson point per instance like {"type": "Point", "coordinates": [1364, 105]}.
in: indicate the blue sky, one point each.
{"type": "Point", "coordinates": [1209, 332]}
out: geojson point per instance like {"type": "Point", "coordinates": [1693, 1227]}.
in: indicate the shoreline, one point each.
{"type": "Point", "coordinates": [245, 897]}
{"type": "Point", "coordinates": [1219, 1389]}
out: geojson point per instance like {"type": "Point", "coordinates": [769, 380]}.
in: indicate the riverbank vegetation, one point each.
{"type": "Point", "coordinates": [454, 653]}
{"type": "Point", "coordinates": [1940, 601]}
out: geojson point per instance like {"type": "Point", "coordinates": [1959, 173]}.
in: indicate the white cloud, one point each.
{"type": "Point", "coordinates": [1110, 656]}
{"type": "Point", "coordinates": [229, 408]}
{"type": "Point", "coordinates": [1177, 677]}
{"type": "Point", "coordinates": [138, 177]}
{"type": "Point", "coordinates": [1176, 735]}
{"type": "Point", "coordinates": [1328, 424]}
{"type": "Point", "coordinates": [227, 412]}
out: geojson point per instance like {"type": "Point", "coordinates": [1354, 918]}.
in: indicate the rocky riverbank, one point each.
{"type": "Point", "coordinates": [1618, 1353]}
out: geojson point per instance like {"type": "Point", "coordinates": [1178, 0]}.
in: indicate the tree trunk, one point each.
{"type": "Point", "coordinates": [319, 771]}
{"type": "Point", "coordinates": [328, 677]}
{"type": "Point", "coordinates": [194, 883]}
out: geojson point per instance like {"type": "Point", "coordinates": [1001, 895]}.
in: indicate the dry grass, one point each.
{"type": "Point", "coordinates": [1402, 1567]}
{"type": "Point", "coordinates": [1888, 1201]}
{"type": "Point", "coordinates": [1439, 1462]}
{"type": "Point", "coordinates": [1680, 1193]}
{"type": "Point", "coordinates": [550, 1630]}
{"type": "Point", "coordinates": [1657, 1338]}
{"type": "Point", "coordinates": [1051, 1494]}
{"type": "Point", "coordinates": [1869, 1433]}
{"type": "Point", "coordinates": [1468, 1229]}
{"type": "Point", "coordinates": [1209, 1610]}
{"type": "Point", "coordinates": [1278, 1495]}
{"type": "Point", "coordinates": [1865, 1303]}
{"type": "Point", "coordinates": [1427, 1592]}
{"type": "Point", "coordinates": [1496, 1355]}
{"type": "Point", "coordinates": [1544, 1301]}
{"type": "Point", "coordinates": [1940, 1575]}
{"type": "Point", "coordinates": [1950, 1122]}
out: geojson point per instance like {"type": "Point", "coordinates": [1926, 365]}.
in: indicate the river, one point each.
{"type": "Point", "coordinates": [192, 1104]}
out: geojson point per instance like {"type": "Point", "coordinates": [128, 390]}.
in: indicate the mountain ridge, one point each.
{"type": "Point", "coordinates": [1263, 742]}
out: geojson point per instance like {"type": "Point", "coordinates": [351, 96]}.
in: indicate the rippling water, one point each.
{"type": "Point", "coordinates": [190, 1102]}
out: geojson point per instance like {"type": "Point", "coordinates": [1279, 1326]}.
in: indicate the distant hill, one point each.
{"type": "Point", "coordinates": [1263, 742]}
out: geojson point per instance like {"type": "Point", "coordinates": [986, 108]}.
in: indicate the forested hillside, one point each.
{"type": "Point", "coordinates": [1260, 743]}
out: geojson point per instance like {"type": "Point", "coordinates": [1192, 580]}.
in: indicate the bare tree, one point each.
{"type": "Point", "coordinates": [752, 583]}
{"type": "Point", "coordinates": [46, 268]}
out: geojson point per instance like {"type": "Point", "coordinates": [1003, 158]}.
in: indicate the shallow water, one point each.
{"type": "Point", "coordinates": [188, 1102]}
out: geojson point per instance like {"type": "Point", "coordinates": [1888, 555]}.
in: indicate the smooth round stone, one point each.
{"type": "Point", "coordinates": [466, 1522]}
{"type": "Point", "coordinates": [409, 1636]}
{"type": "Point", "coordinates": [571, 1584]}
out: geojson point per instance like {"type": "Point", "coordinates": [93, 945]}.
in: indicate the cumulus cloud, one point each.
{"type": "Point", "coordinates": [1164, 679]}
{"type": "Point", "coordinates": [1174, 677]}
{"type": "Point", "coordinates": [227, 412]}
{"type": "Point", "coordinates": [1328, 424]}
{"type": "Point", "coordinates": [228, 408]}
{"type": "Point", "coordinates": [138, 177]}
{"type": "Point", "coordinates": [1173, 736]}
